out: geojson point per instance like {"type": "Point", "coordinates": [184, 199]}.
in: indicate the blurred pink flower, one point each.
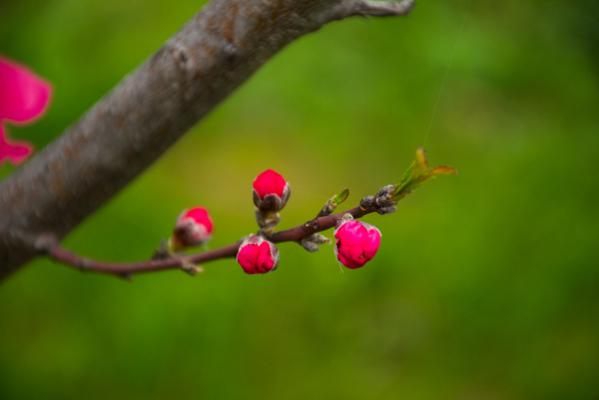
{"type": "Point", "coordinates": [23, 98]}
{"type": "Point", "coordinates": [194, 227]}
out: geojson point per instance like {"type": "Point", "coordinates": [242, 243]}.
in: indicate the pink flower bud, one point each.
{"type": "Point", "coordinates": [194, 227]}
{"type": "Point", "coordinates": [356, 243]}
{"type": "Point", "coordinates": [257, 255]}
{"type": "Point", "coordinates": [271, 191]}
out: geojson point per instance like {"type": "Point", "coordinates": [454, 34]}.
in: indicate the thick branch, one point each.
{"type": "Point", "coordinates": [149, 110]}
{"type": "Point", "coordinates": [51, 247]}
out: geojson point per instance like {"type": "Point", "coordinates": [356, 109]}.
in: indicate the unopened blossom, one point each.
{"type": "Point", "coordinates": [257, 255]}
{"type": "Point", "coordinates": [194, 227]}
{"type": "Point", "coordinates": [356, 243]}
{"type": "Point", "coordinates": [271, 191]}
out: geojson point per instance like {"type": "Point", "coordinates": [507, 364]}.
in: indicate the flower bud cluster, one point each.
{"type": "Point", "coordinates": [356, 242]}
{"type": "Point", "coordinates": [257, 255]}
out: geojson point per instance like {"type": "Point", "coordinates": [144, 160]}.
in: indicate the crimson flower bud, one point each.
{"type": "Point", "coordinates": [271, 191]}
{"type": "Point", "coordinates": [257, 255]}
{"type": "Point", "coordinates": [356, 243]}
{"type": "Point", "coordinates": [194, 227]}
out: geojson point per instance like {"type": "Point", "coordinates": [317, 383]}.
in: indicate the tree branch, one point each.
{"type": "Point", "coordinates": [128, 129]}
{"type": "Point", "coordinates": [370, 8]}
{"type": "Point", "coordinates": [50, 246]}
{"type": "Point", "coordinates": [383, 202]}
{"type": "Point", "coordinates": [383, 8]}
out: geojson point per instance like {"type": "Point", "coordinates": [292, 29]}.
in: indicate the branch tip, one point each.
{"type": "Point", "coordinates": [45, 242]}
{"type": "Point", "coordinates": [383, 8]}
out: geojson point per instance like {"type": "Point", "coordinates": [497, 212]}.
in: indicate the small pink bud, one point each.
{"type": "Point", "coordinates": [194, 227]}
{"type": "Point", "coordinates": [257, 255]}
{"type": "Point", "coordinates": [271, 191]}
{"type": "Point", "coordinates": [356, 243]}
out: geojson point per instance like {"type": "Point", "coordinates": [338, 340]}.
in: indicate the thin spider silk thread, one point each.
{"type": "Point", "coordinates": [444, 79]}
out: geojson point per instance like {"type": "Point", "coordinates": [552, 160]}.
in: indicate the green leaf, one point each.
{"type": "Point", "coordinates": [418, 173]}
{"type": "Point", "coordinates": [333, 203]}
{"type": "Point", "coordinates": [339, 198]}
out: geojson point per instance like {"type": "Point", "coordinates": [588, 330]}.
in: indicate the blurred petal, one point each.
{"type": "Point", "coordinates": [23, 95]}
{"type": "Point", "coordinates": [13, 152]}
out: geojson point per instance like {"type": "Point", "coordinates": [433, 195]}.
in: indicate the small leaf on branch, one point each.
{"type": "Point", "coordinates": [341, 197]}
{"type": "Point", "coordinates": [444, 170]}
{"type": "Point", "coordinates": [333, 203]}
{"type": "Point", "coordinates": [418, 173]}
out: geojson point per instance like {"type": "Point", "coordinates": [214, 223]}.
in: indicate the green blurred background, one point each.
{"type": "Point", "coordinates": [486, 285]}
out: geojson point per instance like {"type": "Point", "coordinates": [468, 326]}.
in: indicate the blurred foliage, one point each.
{"type": "Point", "coordinates": [486, 285]}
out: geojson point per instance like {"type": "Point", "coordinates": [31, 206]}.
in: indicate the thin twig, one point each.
{"type": "Point", "coordinates": [383, 202]}
{"type": "Point", "coordinates": [56, 252]}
